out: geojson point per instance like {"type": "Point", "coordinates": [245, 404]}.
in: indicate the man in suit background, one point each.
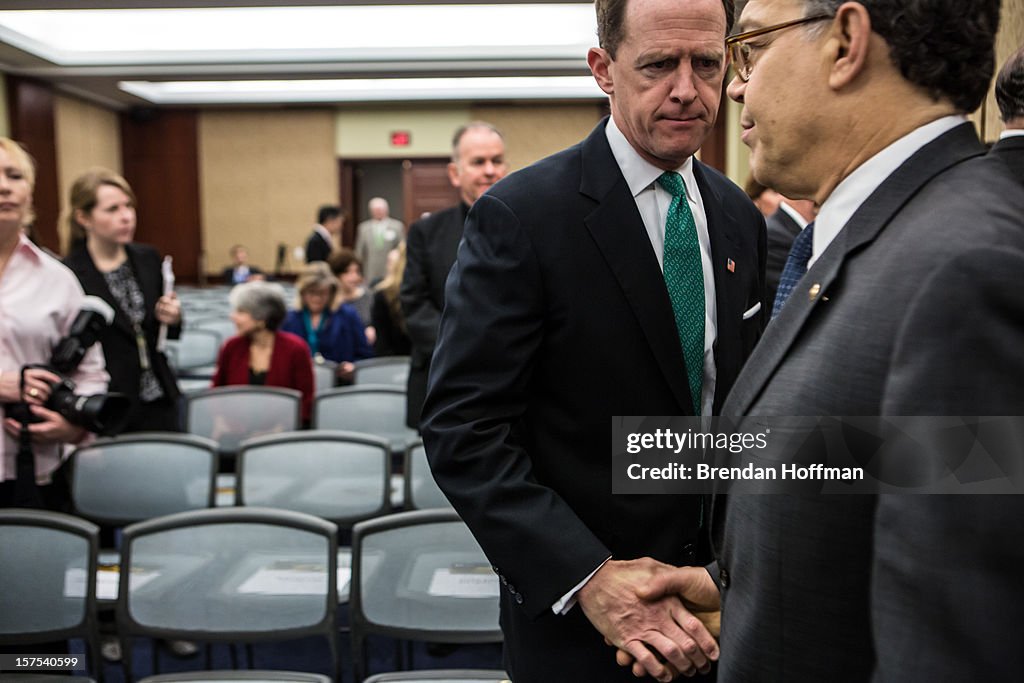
{"type": "Point", "coordinates": [783, 226]}
{"type": "Point", "coordinates": [907, 307]}
{"type": "Point", "coordinates": [321, 242]}
{"type": "Point", "coordinates": [1010, 98]}
{"type": "Point", "coordinates": [618, 277]}
{"type": "Point", "coordinates": [240, 269]}
{"type": "Point", "coordinates": [478, 161]}
{"type": "Point", "coordinates": [375, 237]}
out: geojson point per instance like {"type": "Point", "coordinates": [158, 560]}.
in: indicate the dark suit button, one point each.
{"type": "Point", "coordinates": [519, 599]}
{"type": "Point", "coordinates": [512, 589]}
{"type": "Point", "coordinates": [723, 578]}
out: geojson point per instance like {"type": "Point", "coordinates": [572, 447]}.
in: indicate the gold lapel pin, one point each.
{"type": "Point", "coordinates": [814, 291]}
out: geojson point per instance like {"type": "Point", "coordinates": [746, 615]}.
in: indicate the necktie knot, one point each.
{"type": "Point", "coordinates": [673, 183]}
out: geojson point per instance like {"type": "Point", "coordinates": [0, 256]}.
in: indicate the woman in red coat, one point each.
{"type": "Point", "coordinates": [261, 354]}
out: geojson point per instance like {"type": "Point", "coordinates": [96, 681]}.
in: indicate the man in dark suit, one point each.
{"type": "Point", "coordinates": [320, 244]}
{"type": "Point", "coordinates": [907, 308]}
{"type": "Point", "coordinates": [1010, 98]}
{"type": "Point", "coordinates": [579, 285]}
{"type": "Point", "coordinates": [783, 226]}
{"type": "Point", "coordinates": [478, 161]}
{"type": "Point", "coordinates": [240, 271]}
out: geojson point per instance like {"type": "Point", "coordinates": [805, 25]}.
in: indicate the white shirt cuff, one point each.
{"type": "Point", "coordinates": [568, 601]}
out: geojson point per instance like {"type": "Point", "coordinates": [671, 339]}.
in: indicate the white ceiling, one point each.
{"type": "Point", "coordinates": [190, 52]}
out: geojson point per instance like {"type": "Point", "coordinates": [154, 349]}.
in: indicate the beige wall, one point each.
{"type": "Point", "coordinates": [262, 175]}
{"type": "Point", "coordinates": [533, 132]}
{"type": "Point", "coordinates": [86, 136]}
{"type": "Point", "coordinates": [366, 133]}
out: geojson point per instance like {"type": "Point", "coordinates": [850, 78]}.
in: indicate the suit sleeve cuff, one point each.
{"type": "Point", "coordinates": [568, 601]}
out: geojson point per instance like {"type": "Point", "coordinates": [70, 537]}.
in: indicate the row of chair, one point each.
{"type": "Point", "coordinates": [247, 575]}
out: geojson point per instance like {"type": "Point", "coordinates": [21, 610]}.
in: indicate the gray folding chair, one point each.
{"type": "Point", "coordinates": [325, 372]}
{"type": "Point", "coordinates": [420, 490]}
{"type": "Point", "coordinates": [229, 575]}
{"type": "Point", "coordinates": [343, 477]}
{"type": "Point", "coordinates": [252, 676]}
{"type": "Point", "coordinates": [386, 370]}
{"type": "Point", "coordinates": [442, 676]}
{"type": "Point", "coordinates": [229, 415]}
{"type": "Point", "coordinates": [48, 580]}
{"type": "Point", "coordinates": [140, 476]}
{"type": "Point", "coordinates": [219, 323]}
{"type": "Point", "coordinates": [339, 476]}
{"type": "Point", "coordinates": [420, 576]}
{"type": "Point", "coordinates": [371, 409]}
{"type": "Point", "coordinates": [194, 353]}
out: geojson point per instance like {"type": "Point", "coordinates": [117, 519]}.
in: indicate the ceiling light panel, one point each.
{"type": "Point", "coordinates": [285, 34]}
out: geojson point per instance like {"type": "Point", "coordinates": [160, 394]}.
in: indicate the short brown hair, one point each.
{"type": "Point", "coordinates": [341, 259]}
{"type": "Point", "coordinates": [611, 22]}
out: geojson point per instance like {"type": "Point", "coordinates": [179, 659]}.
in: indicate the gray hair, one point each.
{"type": "Point", "coordinates": [472, 125]}
{"type": "Point", "coordinates": [264, 301]}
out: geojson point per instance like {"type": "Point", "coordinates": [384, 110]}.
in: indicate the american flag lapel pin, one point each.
{"type": "Point", "coordinates": [730, 265]}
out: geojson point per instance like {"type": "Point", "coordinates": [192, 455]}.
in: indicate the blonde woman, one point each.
{"type": "Point", "coordinates": [386, 314]}
{"type": "Point", "coordinates": [126, 275]}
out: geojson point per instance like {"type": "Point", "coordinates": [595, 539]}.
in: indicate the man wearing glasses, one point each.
{"type": "Point", "coordinates": [906, 301]}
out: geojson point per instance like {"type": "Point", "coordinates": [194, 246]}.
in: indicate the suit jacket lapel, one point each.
{"type": "Point", "coordinates": [619, 233]}
{"type": "Point", "coordinates": [863, 227]}
{"type": "Point", "coordinates": [730, 294]}
{"type": "Point", "coordinates": [93, 282]}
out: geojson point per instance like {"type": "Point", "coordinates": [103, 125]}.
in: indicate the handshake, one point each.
{"type": "Point", "coordinates": [663, 620]}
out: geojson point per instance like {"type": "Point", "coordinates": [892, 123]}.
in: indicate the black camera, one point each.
{"type": "Point", "coordinates": [99, 413]}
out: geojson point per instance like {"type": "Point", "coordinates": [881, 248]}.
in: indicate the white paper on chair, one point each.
{"type": "Point", "coordinates": [464, 581]}
{"type": "Point", "coordinates": [291, 578]}
{"type": "Point", "coordinates": [107, 581]}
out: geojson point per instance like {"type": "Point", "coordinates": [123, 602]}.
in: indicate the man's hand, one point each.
{"type": "Point", "coordinates": [613, 600]}
{"type": "Point", "coordinates": [699, 595]}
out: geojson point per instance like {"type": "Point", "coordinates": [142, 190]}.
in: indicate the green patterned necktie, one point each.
{"type": "Point", "coordinates": [684, 278]}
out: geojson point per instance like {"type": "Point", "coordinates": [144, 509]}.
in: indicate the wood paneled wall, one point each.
{"type": "Point", "coordinates": [161, 163]}
{"type": "Point", "coordinates": [32, 124]}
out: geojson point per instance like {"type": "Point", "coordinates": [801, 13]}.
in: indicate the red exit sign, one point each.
{"type": "Point", "coordinates": [401, 138]}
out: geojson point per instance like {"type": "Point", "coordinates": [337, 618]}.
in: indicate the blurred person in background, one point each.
{"type": "Point", "coordinates": [320, 244]}
{"type": "Point", "coordinates": [128, 277]}
{"type": "Point", "coordinates": [386, 314]}
{"type": "Point", "coordinates": [765, 198]}
{"type": "Point", "coordinates": [347, 267]}
{"type": "Point", "coordinates": [262, 354]}
{"type": "Point", "coordinates": [39, 299]}
{"type": "Point", "coordinates": [335, 335]}
{"type": "Point", "coordinates": [375, 238]}
{"type": "Point", "coordinates": [1010, 98]}
{"type": "Point", "coordinates": [240, 271]}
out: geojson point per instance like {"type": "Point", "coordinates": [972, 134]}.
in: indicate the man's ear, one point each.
{"type": "Point", "coordinates": [600, 63]}
{"type": "Point", "coordinates": [453, 174]}
{"type": "Point", "coordinates": [849, 44]}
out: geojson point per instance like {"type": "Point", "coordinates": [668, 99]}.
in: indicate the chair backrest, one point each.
{"type": "Point", "coordinates": [420, 489]}
{"type": "Point", "coordinates": [48, 578]}
{"type": "Point", "coordinates": [229, 574]}
{"type": "Point", "coordinates": [194, 349]}
{"type": "Point", "coordinates": [442, 676]}
{"type": "Point", "coordinates": [217, 322]}
{"type": "Point", "coordinates": [387, 370]}
{"type": "Point", "coordinates": [420, 576]}
{"type": "Point", "coordinates": [139, 476]}
{"type": "Point", "coordinates": [229, 415]}
{"type": "Point", "coordinates": [250, 676]}
{"type": "Point", "coordinates": [341, 476]}
{"type": "Point", "coordinates": [324, 374]}
{"type": "Point", "coordinates": [374, 409]}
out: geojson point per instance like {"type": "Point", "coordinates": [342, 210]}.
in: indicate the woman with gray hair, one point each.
{"type": "Point", "coordinates": [261, 354]}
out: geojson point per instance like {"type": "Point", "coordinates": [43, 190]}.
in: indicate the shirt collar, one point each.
{"type": "Point", "coordinates": [639, 173]}
{"type": "Point", "coordinates": [26, 246]}
{"type": "Point", "coordinates": [1011, 133]}
{"type": "Point", "coordinates": [844, 201]}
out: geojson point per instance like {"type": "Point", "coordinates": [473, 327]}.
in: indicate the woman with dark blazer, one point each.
{"type": "Point", "coordinates": [262, 354]}
{"type": "Point", "coordinates": [128, 277]}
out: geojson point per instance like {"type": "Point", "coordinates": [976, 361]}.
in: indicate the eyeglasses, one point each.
{"type": "Point", "coordinates": [742, 54]}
